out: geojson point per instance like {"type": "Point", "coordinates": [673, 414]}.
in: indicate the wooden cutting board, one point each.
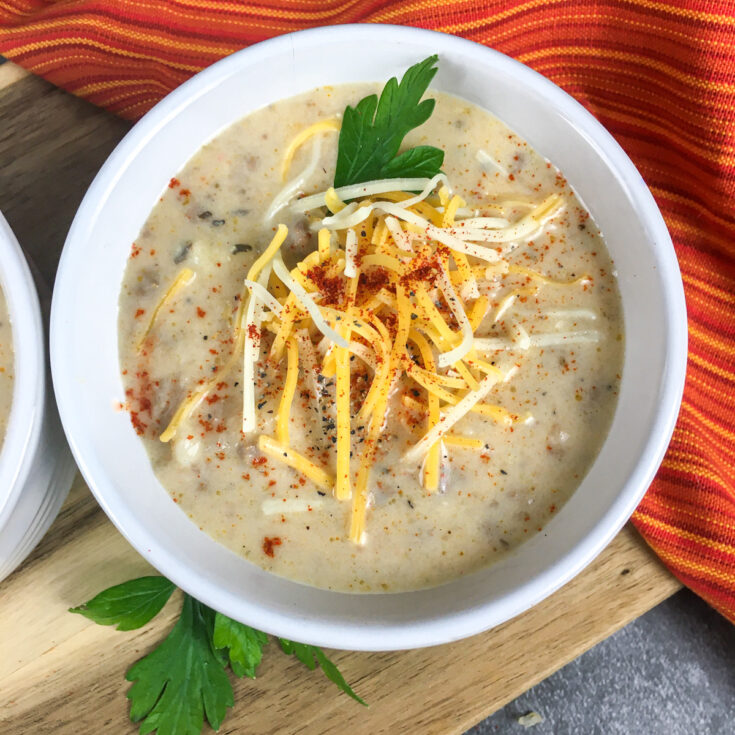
{"type": "Point", "coordinates": [61, 674]}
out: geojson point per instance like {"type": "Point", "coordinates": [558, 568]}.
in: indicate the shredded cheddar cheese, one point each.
{"type": "Point", "coordinates": [404, 292]}
{"type": "Point", "coordinates": [183, 279]}
{"type": "Point", "coordinates": [323, 126]}
{"type": "Point", "coordinates": [301, 464]}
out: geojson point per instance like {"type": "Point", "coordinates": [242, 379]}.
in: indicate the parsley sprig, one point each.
{"type": "Point", "coordinates": [373, 130]}
{"type": "Point", "coordinates": [184, 680]}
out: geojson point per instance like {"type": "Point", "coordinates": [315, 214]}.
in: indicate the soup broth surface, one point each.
{"type": "Point", "coordinates": [211, 219]}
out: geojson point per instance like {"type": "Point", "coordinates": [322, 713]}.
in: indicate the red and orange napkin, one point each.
{"type": "Point", "coordinates": [660, 75]}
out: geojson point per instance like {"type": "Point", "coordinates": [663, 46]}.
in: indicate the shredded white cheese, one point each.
{"type": "Point", "coordinates": [306, 301]}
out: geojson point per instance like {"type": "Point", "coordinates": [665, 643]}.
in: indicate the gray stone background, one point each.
{"type": "Point", "coordinates": [671, 672]}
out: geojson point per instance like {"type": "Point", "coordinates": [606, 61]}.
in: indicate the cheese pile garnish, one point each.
{"type": "Point", "coordinates": [395, 282]}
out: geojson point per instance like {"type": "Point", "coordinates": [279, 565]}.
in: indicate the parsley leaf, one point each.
{"type": "Point", "coordinates": [131, 604]}
{"type": "Point", "coordinates": [185, 679]}
{"type": "Point", "coordinates": [373, 130]}
{"type": "Point", "coordinates": [182, 680]}
{"type": "Point", "coordinates": [310, 656]}
{"type": "Point", "coordinates": [243, 644]}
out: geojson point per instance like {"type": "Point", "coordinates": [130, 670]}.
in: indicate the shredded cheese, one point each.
{"type": "Point", "coordinates": [323, 126]}
{"type": "Point", "coordinates": [369, 188]}
{"type": "Point", "coordinates": [414, 255]}
{"type": "Point", "coordinates": [273, 506]}
{"type": "Point", "coordinates": [450, 419]}
{"type": "Point", "coordinates": [183, 279]}
{"type": "Point", "coordinates": [297, 461]}
{"type": "Point", "coordinates": [467, 442]}
{"type": "Point", "coordinates": [458, 352]}
{"type": "Point", "coordinates": [260, 292]}
{"type": "Point", "coordinates": [548, 339]}
{"type": "Point", "coordinates": [307, 302]}
{"type": "Point", "coordinates": [350, 254]}
{"type": "Point", "coordinates": [325, 244]}
{"type": "Point", "coordinates": [332, 200]}
{"type": "Point", "coordinates": [289, 389]}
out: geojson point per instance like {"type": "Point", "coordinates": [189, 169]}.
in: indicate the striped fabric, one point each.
{"type": "Point", "coordinates": [660, 76]}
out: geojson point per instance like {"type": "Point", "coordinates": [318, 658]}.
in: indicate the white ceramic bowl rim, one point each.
{"type": "Point", "coordinates": [372, 622]}
{"type": "Point", "coordinates": [26, 412]}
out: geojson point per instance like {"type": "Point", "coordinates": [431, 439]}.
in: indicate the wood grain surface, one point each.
{"type": "Point", "coordinates": [61, 674]}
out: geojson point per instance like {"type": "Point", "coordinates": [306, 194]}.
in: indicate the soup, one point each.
{"type": "Point", "coordinates": [6, 367]}
{"type": "Point", "coordinates": [247, 386]}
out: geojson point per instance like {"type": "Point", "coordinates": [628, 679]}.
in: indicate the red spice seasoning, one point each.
{"type": "Point", "coordinates": [139, 312]}
{"type": "Point", "coordinates": [269, 543]}
{"type": "Point", "coordinates": [332, 288]}
{"type": "Point", "coordinates": [174, 183]}
{"type": "Point", "coordinates": [138, 425]}
{"type": "Point", "coordinates": [201, 313]}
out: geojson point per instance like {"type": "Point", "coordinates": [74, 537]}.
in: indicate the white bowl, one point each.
{"type": "Point", "coordinates": [114, 462]}
{"type": "Point", "coordinates": [36, 468]}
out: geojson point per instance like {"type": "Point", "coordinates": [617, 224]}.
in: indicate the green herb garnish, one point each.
{"type": "Point", "coordinates": [129, 605]}
{"type": "Point", "coordinates": [373, 130]}
{"type": "Point", "coordinates": [311, 656]}
{"type": "Point", "coordinates": [242, 644]}
{"type": "Point", "coordinates": [184, 680]}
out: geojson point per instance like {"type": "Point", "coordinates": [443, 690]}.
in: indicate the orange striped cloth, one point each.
{"type": "Point", "coordinates": [661, 77]}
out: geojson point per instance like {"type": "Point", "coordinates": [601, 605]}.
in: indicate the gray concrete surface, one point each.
{"type": "Point", "coordinates": [671, 672]}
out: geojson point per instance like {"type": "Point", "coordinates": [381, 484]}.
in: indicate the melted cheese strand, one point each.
{"type": "Point", "coordinates": [251, 352]}
{"type": "Point", "coordinates": [508, 301]}
{"type": "Point", "coordinates": [446, 237]}
{"type": "Point", "coordinates": [548, 339]}
{"type": "Point", "coordinates": [183, 279]}
{"type": "Point", "coordinates": [289, 389]}
{"type": "Point", "coordinates": [452, 416]}
{"type": "Point", "coordinates": [365, 354]}
{"type": "Point", "coordinates": [466, 442]}
{"type": "Point", "coordinates": [323, 126]}
{"type": "Point", "coordinates": [377, 419]}
{"type": "Point", "coordinates": [332, 200]}
{"type": "Point", "coordinates": [478, 311]}
{"type": "Point", "coordinates": [342, 486]}
{"type": "Point", "coordinates": [457, 353]}
{"type": "Point", "coordinates": [262, 294]}
{"type": "Point", "coordinates": [350, 254]}
{"type": "Point", "coordinates": [297, 461]}
{"type": "Point", "coordinates": [486, 160]}
{"type": "Point", "coordinates": [522, 270]}
{"type": "Point", "coordinates": [484, 223]}
{"type": "Point", "coordinates": [268, 253]}
{"type": "Point", "coordinates": [325, 244]}
{"type": "Point", "coordinates": [369, 188]}
{"type": "Point", "coordinates": [344, 220]}
{"type": "Point", "coordinates": [311, 366]}
{"type": "Point", "coordinates": [401, 238]}
{"type": "Point", "coordinates": [431, 465]}
{"type": "Point", "coordinates": [566, 314]}
{"type": "Point", "coordinates": [421, 376]}
{"type": "Point", "coordinates": [307, 302]}
{"type": "Point", "coordinates": [527, 225]}
{"type": "Point", "coordinates": [497, 413]}
{"type": "Point", "coordinates": [296, 185]}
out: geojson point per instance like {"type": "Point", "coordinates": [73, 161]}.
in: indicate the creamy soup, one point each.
{"type": "Point", "coordinates": [546, 319]}
{"type": "Point", "coordinates": [6, 367]}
